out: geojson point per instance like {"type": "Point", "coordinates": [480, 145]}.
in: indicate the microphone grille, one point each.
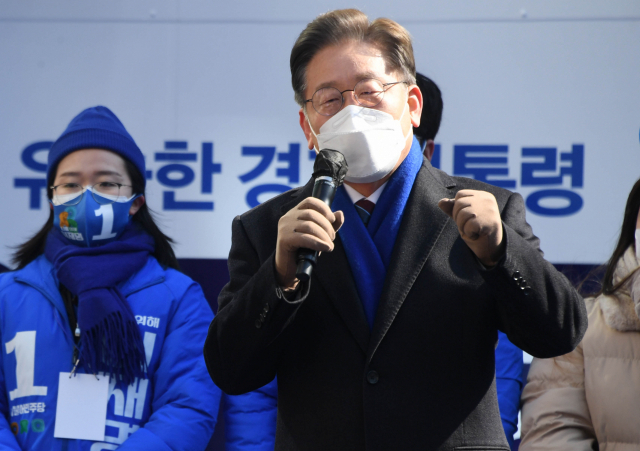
{"type": "Point", "coordinates": [330, 163]}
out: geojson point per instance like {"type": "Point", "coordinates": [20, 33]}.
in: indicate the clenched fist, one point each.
{"type": "Point", "coordinates": [310, 224]}
{"type": "Point", "coordinates": [478, 219]}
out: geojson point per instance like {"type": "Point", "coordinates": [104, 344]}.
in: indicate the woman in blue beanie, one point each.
{"type": "Point", "coordinates": [97, 302]}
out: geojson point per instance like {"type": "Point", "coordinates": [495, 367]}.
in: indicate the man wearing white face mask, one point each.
{"type": "Point", "coordinates": [371, 140]}
{"type": "Point", "coordinates": [390, 344]}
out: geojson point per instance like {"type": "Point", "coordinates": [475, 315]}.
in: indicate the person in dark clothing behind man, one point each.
{"type": "Point", "coordinates": [432, 106]}
{"type": "Point", "coordinates": [390, 344]}
{"type": "Point", "coordinates": [509, 362]}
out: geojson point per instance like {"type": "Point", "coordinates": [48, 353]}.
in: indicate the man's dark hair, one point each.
{"type": "Point", "coordinates": [336, 27]}
{"type": "Point", "coordinates": [34, 247]}
{"type": "Point", "coordinates": [432, 106]}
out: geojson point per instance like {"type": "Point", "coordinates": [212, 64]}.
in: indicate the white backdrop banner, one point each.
{"type": "Point", "coordinates": [540, 98]}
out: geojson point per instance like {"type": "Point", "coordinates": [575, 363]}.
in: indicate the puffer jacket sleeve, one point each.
{"type": "Point", "coordinates": [555, 414]}
{"type": "Point", "coordinates": [185, 400]}
{"type": "Point", "coordinates": [7, 439]}
{"type": "Point", "coordinates": [250, 419]}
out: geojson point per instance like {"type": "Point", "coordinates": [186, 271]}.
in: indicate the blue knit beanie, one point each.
{"type": "Point", "coordinates": [95, 128]}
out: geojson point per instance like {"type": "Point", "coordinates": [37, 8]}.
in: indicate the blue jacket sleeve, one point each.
{"type": "Point", "coordinates": [185, 400]}
{"type": "Point", "coordinates": [509, 384]}
{"type": "Point", "coordinates": [250, 419]}
{"type": "Point", "coordinates": [7, 439]}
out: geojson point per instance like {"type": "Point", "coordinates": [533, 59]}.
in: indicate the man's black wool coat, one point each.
{"type": "Point", "coordinates": [423, 377]}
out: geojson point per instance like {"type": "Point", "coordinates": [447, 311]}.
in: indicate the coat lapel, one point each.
{"type": "Point", "coordinates": [333, 273]}
{"type": "Point", "coordinates": [421, 226]}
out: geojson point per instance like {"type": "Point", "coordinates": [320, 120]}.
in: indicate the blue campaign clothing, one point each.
{"type": "Point", "coordinates": [95, 128]}
{"type": "Point", "coordinates": [110, 339]}
{"type": "Point", "coordinates": [509, 384]}
{"type": "Point", "coordinates": [175, 408]}
{"type": "Point", "coordinates": [250, 419]}
{"type": "Point", "coordinates": [89, 223]}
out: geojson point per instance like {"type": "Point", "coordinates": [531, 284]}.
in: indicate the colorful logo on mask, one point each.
{"type": "Point", "coordinates": [90, 223]}
{"type": "Point", "coordinates": [68, 224]}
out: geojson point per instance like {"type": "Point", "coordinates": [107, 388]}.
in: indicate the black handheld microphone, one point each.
{"type": "Point", "coordinates": [329, 171]}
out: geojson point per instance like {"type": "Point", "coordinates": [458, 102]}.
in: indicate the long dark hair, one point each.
{"type": "Point", "coordinates": [34, 247]}
{"type": "Point", "coordinates": [627, 238]}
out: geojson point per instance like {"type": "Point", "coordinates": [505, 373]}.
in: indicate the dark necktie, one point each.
{"type": "Point", "coordinates": [364, 208]}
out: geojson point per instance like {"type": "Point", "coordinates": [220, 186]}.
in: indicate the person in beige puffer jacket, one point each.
{"type": "Point", "coordinates": [589, 399]}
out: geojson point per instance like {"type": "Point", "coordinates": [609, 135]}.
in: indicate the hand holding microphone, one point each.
{"type": "Point", "coordinates": [310, 227]}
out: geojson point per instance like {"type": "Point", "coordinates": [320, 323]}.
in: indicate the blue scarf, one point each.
{"type": "Point", "coordinates": [369, 248]}
{"type": "Point", "coordinates": [110, 339]}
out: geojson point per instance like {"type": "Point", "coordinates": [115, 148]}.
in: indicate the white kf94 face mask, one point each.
{"type": "Point", "coordinates": [370, 140]}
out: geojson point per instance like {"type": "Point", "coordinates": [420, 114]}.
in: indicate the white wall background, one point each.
{"type": "Point", "coordinates": [517, 73]}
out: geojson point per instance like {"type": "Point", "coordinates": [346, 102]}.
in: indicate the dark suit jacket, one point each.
{"type": "Point", "coordinates": [423, 377]}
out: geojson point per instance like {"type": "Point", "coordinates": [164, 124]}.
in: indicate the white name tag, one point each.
{"type": "Point", "coordinates": [81, 412]}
